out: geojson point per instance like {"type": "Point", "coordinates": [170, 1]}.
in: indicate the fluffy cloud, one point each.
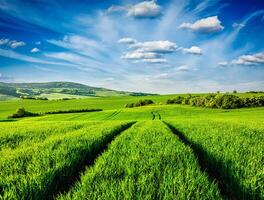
{"type": "Point", "coordinates": [35, 50]}
{"type": "Point", "coordinates": [193, 50]}
{"type": "Point", "coordinates": [145, 9]}
{"type": "Point", "coordinates": [4, 41]}
{"type": "Point", "coordinates": [255, 59]}
{"type": "Point", "coordinates": [135, 55]}
{"type": "Point", "coordinates": [127, 41]}
{"type": "Point", "coordinates": [148, 52]}
{"type": "Point", "coordinates": [155, 46]}
{"type": "Point", "coordinates": [14, 44]}
{"type": "Point", "coordinates": [206, 25]}
{"type": "Point", "coordinates": [11, 43]}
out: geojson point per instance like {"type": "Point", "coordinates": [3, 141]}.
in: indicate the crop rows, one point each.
{"type": "Point", "coordinates": [40, 170]}
{"type": "Point", "coordinates": [233, 153]}
{"type": "Point", "coordinates": [145, 162]}
{"type": "Point", "coordinates": [13, 135]}
{"type": "Point", "coordinates": [183, 159]}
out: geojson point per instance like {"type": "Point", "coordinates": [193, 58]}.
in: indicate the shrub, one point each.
{"type": "Point", "coordinates": [42, 98]}
{"type": "Point", "coordinates": [21, 112]}
{"type": "Point", "coordinates": [140, 103]}
{"type": "Point", "coordinates": [177, 100]}
{"type": "Point", "coordinates": [27, 97]}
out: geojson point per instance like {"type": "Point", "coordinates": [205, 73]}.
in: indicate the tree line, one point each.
{"type": "Point", "coordinates": [143, 102]}
{"type": "Point", "coordinates": [223, 101]}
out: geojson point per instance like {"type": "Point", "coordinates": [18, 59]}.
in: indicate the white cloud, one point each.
{"type": "Point", "coordinates": [79, 61]}
{"type": "Point", "coordinates": [193, 50]}
{"type": "Point", "coordinates": [157, 77]}
{"type": "Point", "coordinates": [81, 45]}
{"type": "Point", "coordinates": [114, 9]}
{"type": "Point", "coordinates": [153, 60]}
{"type": "Point", "coordinates": [223, 64]}
{"type": "Point", "coordinates": [14, 44]}
{"type": "Point", "coordinates": [184, 68]}
{"type": "Point", "coordinates": [17, 56]}
{"type": "Point", "coordinates": [145, 9]}
{"type": "Point", "coordinates": [148, 52]}
{"type": "Point", "coordinates": [35, 50]}
{"type": "Point", "coordinates": [255, 59]}
{"type": "Point", "coordinates": [75, 42]}
{"type": "Point", "coordinates": [134, 55]}
{"type": "Point", "coordinates": [11, 43]}
{"type": "Point", "coordinates": [69, 57]}
{"type": "Point", "coordinates": [127, 41]}
{"type": "Point", "coordinates": [4, 41]}
{"type": "Point", "coordinates": [206, 25]}
{"type": "Point", "coordinates": [162, 46]}
{"type": "Point", "coordinates": [237, 25]}
{"type": "Point", "coordinates": [38, 43]}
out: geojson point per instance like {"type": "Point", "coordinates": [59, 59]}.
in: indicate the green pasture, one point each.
{"type": "Point", "coordinates": [150, 152]}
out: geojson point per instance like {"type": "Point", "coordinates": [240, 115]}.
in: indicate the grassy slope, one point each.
{"type": "Point", "coordinates": [52, 89]}
{"type": "Point", "coordinates": [200, 125]}
{"type": "Point", "coordinates": [105, 103]}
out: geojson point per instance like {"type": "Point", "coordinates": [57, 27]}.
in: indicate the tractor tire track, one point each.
{"type": "Point", "coordinates": [155, 115]}
{"type": "Point", "coordinates": [211, 168]}
{"type": "Point", "coordinates": [65, 183]}
{"type": "Point", "coordinates": [115, 113]}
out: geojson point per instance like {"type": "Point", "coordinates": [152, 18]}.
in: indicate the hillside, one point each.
{"type": "Point", "coordinates": [58, 90]}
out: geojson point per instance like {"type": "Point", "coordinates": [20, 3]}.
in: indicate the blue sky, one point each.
{"type": "Point", "coordinates": [172, 46]}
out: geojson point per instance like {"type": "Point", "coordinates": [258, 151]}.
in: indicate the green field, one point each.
{"type": "Point", "coordinates": [151, 152]}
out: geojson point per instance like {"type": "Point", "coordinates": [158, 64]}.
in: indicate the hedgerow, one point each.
{"type": "Point", "coordinates": [223, 101]}
{"type": "Point", "coordinates": [140, 103]}
{"type": "Point", "coordinates": [21, 112]}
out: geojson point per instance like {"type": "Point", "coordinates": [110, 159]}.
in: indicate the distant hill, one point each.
{"type": "Point", "coordinates": [58, 90]}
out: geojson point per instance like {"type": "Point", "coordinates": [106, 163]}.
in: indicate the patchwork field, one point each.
{"type": "Point", "coordinates": [151, 152]}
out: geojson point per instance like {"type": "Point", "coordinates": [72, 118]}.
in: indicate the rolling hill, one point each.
{"type": "Point", "coordinates": [58, 90]}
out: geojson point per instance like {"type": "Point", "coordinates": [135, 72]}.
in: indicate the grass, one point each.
{"type": "Point", "coordinates": [13, 134]}
{"type": "Point", "coordinates": [145, 162]}
{"type": "Point", "coordinates": [54, 96]}
{"type": "Point", "coordinates": [105, 103]}
{"type": "Point", "coordinates": [203, 154]}
{"type": "Point", "coordinates": [38, 170]}
{"type": "Point", "coordinates": [234, 153]}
